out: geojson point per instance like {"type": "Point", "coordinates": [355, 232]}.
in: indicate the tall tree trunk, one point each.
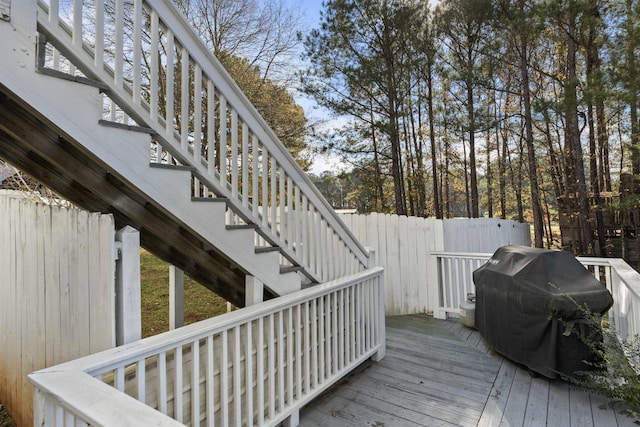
{"type": "Point", "coordinates": [556, 169]}
{"type": "Point", "coordinates": [396, 161]}
{"type": "Point", "coordinates": [502, 164]}
{"type": "Point", "coordinates": [410, 195]}
{"type": "Point", "coordinates": [575, 161]}
{"type": "Point", "coordinates": [447, 191]}
{"type": "Point", "coordinates": [475, 212]}
{"type": "Point", "coordinates": [376, 160]}
{"type": "Point", "coordinates": [516, 177]}
{"type": "Point", "coordinates": [489, 177]}
{"type": "Point", "coordinates": [592, 69]}
{"type": "Point", "coordinates": [632, 78]}
{"type": "Point", "coordinates": [603, 147]}
{"type": "Point", "coordinates": [538, 224]}
{"type": "Point", "coordinates": [432, 139]}
{"type": "Point", "coordinates": [468, 200]}
{"type": "Point", "coordinates": [419, 184]}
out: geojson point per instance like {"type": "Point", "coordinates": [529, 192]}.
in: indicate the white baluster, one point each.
{"type": "Point", "coordinates": [98, 58]}
{"type": "Point", "coordinates": [211, 128]}
{"type": "Point", "coordinates": [177, 385]}
{"type": "Point", "coordinates": [210, 383]}
{"type": "Point", "coordinates": [197, 116]}
{"type": "Point", "coordinates": [141, 380]}
{"type": "Point", "coordinates": [162, 382]}
{"type": "Point", "coordinates": [195, 382]}
{"type": "Point", "coordinates": [249, 372]}
{"type": "Point", "coordinates": [137, 51]}
{"type": "Point", "coordinates": [224, 379]}
{"type": "Point", "coordinates": [233, 156]}
{"type": "Point", "coordinates": [222, 154]}
{"type": "Point", "coordinates": [245, 165]}
{"type": "Point", "coordinates": [237, 374]}
{"type": "Point", "coordinates": [260, 372]}
{"type": "Point", "coordinates": [184, 98]}
{"type": "Point", "coordinates": [154, 67]}
{"type": "Point", "coordinates": [119, 45]}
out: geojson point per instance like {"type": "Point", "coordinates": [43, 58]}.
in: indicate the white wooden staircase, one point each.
{"type": "Point", "coordinates": [120, 108]}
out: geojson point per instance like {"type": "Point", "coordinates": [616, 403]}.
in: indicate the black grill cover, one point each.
{"type": "Point", "coordinates": [526, 304]}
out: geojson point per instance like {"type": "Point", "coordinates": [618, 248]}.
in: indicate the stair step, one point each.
{"type": "Point", "coordinates": [172, 167]}
{"type": "Point", "coordinates": [210, 199]}
{"type": "Point", "coordinates": [266, 249]}
{"type": "Point", "coordinates": [70, 77]}
{"type": "Point", "coordinates": [241, 227]}
{"type": "Point", "coordinates": [290, 268]}
{"type": "Point", "coordinates": [141, 129]}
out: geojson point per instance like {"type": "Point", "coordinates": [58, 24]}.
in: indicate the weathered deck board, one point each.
{"type": "Point", "coordinates": [438, 373]}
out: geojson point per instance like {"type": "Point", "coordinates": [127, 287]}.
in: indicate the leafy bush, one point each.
{"type": "Point", "coordinates": [613, 376]}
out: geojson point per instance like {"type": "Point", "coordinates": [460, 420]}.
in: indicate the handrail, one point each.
{"type": "Point", "coordinates": [254, 366]}
{"type": "Point", "coordinates": [234, 152]}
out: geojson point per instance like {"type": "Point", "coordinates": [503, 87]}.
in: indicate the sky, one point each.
{"type": "Point", "coordinates": [310, 10]}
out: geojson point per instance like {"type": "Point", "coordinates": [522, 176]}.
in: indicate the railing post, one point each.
{"type": "Point", "coordinates": [435, 286]}
{"type": "Point", "coordinates": [39, 407]}
{"type": "Point", "coordinates": [176, 297]}
{"type": "Point", "coordinates": [128, 305]}
{"type": "Point", "coordinates": [380, 316]}
{"type": "Point", "coordinates": [254, 290]}
{"type": "Point", "coordinates": [292, 420]}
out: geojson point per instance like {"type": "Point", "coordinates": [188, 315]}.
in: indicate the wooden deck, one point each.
{"type": "Point", "coordinates": [438, 373]}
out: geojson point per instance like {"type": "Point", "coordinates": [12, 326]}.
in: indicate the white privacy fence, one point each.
{"type": "Point", "coordinates": [404, 245]}
{"type": "Point", "coordinates": [255, 366]}
{"type": "Point", "coordinates": [158, 75]}
{"type": "Point", "coordinates": [454, 280]}
{"type": "Point", "coordinates": [56, 293]}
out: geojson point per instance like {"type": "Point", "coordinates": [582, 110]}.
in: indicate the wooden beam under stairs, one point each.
{"type": "Point", "coordinates": [36, 146]}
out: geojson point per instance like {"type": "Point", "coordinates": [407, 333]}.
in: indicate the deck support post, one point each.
{"type": "Point", "coordinates": [434, 275]}
{"type": "Point", "coordinates": [292, 420]}
{"type": "Point", "coordinates": [254, 290]}
{"type": "Point", "coordinates": [381, 327]}
{"type": "Point", "coordinates": [176, 297]}
{"type": "Point", "coordinates": [128, 303]}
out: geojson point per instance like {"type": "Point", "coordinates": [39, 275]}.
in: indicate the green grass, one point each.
{"type": "Point", "coordinates": [5, 418]}
{"type": "Point", "coordinates": [199, 302]}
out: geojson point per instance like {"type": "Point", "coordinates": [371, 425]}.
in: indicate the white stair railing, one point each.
{"type": "Point", "coordinates": [162, 76]}
{"type": "Point", "coordinates": [254, 366]}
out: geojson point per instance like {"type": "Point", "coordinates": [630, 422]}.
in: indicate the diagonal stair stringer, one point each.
{"type": "Point", "coordinates": [75, 109]}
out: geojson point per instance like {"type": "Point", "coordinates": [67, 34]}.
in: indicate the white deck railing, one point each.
{"type": "Point", "coordinates": [159, 75]}
{"type": "Point", "coordinates": [255, 366]}
{"type": "Point", "coordinates": [455, 280]}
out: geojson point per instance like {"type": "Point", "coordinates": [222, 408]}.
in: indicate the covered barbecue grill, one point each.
{"type": "Point", "coordinates": [528, 307]}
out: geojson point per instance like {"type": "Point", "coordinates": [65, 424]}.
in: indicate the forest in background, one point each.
{"type": "Point", "coordinates": [479, 108]}
{"type": "Point", "coordinates": [518, 109]}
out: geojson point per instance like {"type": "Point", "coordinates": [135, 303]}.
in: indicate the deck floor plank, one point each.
{"type": "Point", "coordinates": [438, 373]}
{"type": "Point", "coordinates": [497, 401]}
{"type": "Point", "coordinates": [538, 402]}
{"type": "Point", "coordinates": [558, 410]}
{"type": "Point", "coordinates": [518, 398]}
{"type": "Point", "coordinates": [580, 408]}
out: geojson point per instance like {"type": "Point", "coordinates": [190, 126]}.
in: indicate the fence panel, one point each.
{"type": "Point", "coordinates": [404, 244]}
{"type": "Point", "coordinates": [483, 235]}
{"type": "Point", "coordinates": [56, 292]}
